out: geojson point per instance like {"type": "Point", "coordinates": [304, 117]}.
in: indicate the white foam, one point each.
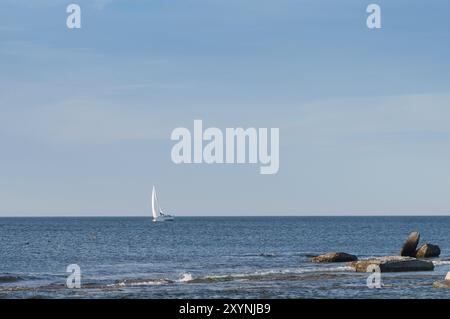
{"type": "Point", "coordinates": [144, 282]}
{"type": "Point", "coordinates": [187, 277]}
{"type": "Point", "coordinates": [441, 262]}
{"type": "Point", "coordinates": [306, 270]}
{"type": "Point", "coordinates": [243, 276]}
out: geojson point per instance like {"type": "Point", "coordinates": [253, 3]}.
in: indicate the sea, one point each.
{"type": "Point", "coordinates": [211, 257]}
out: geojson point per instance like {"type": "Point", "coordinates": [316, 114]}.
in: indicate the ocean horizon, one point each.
{"type": "Point", "coordinates": [213, 257]}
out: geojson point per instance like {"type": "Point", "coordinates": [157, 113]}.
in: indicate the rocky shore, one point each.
{"type": "Point", "coordinates": [393, 264]}
{"type": "Point", "coordinates": [334, 257]}
{"type": "Point", "coordinates": [409, 259]}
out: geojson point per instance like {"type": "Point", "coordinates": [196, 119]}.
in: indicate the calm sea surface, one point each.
{"type": "Point", "coordinates": [211, 257]}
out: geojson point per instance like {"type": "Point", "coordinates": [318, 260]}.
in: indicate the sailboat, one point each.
{"type": "Point", "coordinates": [158, 214]}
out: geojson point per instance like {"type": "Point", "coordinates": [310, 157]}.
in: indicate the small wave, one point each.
{"type": "Point", "coordinates": [272, 254]}
{"type": "Point", "coordinates": [10, 278]}
{"type": "Point", "coordinates": [139, 282]}
{"type": "Point", "coordinates": [186, 278]}
{"type": "Point", "coordinates": [310, 255]}
{"type": "Point", "coordinates": [441, 262]}
{"type": "Point", "coordinates": [89, 285]}
{"type": "Point", "coordinates": [261, 255]}
{"type": "Point", "coordinates": [283, 274]}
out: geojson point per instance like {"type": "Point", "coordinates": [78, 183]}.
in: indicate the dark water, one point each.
{"type": "Point", "coordinates": [239, 257]}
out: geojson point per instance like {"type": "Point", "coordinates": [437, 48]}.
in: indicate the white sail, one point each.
{"type": "Point", "coordinates": [155, 207]}
{"type": "Point", "coordinates": [158, 214]}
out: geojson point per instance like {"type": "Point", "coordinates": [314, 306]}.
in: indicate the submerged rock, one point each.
{"type": "Point", "coordinates": [393, 264]}
{"type": "Point", "coordinates": [428, 251]}
{"type": "Point", "coordinates": [410, 245]}
{"type": "Point", "coordinates": [443, 284]}
{"type": "Point", "coordinates": [334, 257]}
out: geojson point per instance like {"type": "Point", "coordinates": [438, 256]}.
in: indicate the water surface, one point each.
{"type": "Point", "coordinates": [211, 257]}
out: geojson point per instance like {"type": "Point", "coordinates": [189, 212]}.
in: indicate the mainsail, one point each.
{"type": "Point", "coordinates": [155, 206]}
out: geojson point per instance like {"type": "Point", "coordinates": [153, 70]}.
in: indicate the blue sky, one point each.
{"type": "Point", "coordinates": [86, 115]}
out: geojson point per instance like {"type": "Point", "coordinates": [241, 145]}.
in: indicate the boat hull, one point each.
{"type": "Point", "coordinates": [163, 219]}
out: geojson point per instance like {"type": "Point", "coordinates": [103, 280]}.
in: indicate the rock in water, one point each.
{"type": "Point", "coordinates": [443, 284]}
{"type": "Point", "coordinates": [428, 251]}
{"type": "Point", "coordinates": [393, 264]}
{"type": "Point", "coordinates": [334, 257]}
{"type": "Point", "coordinates": [410, 245]}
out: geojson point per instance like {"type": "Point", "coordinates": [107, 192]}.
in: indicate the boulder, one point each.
{"type": "Point", "coordinates": [334, 257]}
{"type": "Point", "coordinates": [393, 264]}
{"type": "Point", "coordinates": [448, 276]}
{"type": "Point", "coordinates": [410, 245]}
{"type": "Point", "coordinates": [428, 251]}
